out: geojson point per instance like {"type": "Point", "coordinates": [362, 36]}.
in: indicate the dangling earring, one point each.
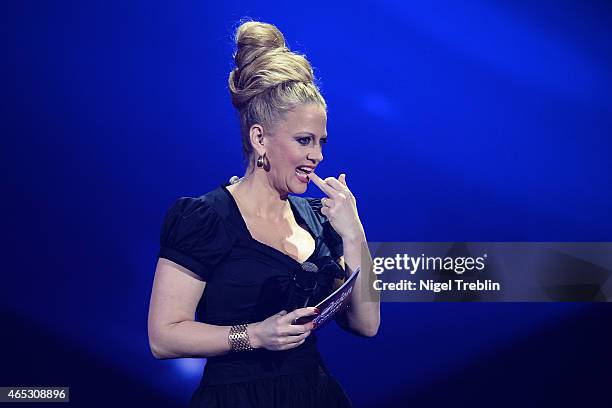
{"type": "Point", "coordinates": [262, 161]}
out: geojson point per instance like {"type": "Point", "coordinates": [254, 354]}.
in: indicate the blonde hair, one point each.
{"type": "Point", "coordinates": [268, 80]}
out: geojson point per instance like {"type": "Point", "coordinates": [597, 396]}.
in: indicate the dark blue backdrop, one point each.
{"type": "Point", "coordinates": [453, 121]}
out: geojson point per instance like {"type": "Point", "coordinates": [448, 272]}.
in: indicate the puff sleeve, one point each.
{"type": "Point", "coordinates": [193, 236]}
{"type": "Point", "coordinates": [330, 236]}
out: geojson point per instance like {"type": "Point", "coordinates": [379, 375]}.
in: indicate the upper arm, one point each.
{"type": "Point", "coordinates": [174, 298]}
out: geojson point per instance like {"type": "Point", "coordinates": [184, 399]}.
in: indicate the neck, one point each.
{"type": "Point", "coordinates": [258, 197]}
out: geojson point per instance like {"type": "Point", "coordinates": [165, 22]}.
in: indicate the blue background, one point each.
{"type": "Point", "coordinates": [454, 121]}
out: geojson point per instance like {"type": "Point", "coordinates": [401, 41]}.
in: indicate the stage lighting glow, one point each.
{"type": "Point", "coordinates": [190, 367]}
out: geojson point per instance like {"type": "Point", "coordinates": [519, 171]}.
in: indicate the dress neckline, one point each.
{"type": "Point", "coordinates": [296, 214]}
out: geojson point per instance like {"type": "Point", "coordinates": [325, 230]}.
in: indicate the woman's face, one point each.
{"type": "Point", "coordinates": [295, 148]}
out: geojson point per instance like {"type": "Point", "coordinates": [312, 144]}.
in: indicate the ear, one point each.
{"type": "Point", "coordinates": [256, 137]}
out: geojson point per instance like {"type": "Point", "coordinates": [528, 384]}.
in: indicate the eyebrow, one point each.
{"type": "Point", "coordinates": [309, 134]}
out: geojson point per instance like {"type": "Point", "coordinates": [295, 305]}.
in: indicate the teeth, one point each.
{"type": "Point", "coordinates": [305, 170]}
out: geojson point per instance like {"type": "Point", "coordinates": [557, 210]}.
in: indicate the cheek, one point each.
{"type": "Point", "coordinates": [290, 158]}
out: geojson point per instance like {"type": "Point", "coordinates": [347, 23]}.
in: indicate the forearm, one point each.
{"type": "Point", "coordinates": [363, 315]}
{"type": "Point", "coordinates": [191, 339]}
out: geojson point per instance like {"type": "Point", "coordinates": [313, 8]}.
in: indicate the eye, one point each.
{"type": "Point", "coordinates": [304, 141]}
{"type": "Point", "coordinates": [323, 140]}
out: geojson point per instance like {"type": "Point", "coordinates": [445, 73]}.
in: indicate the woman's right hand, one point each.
{"type": "Point", "coordinates": [277, 332]}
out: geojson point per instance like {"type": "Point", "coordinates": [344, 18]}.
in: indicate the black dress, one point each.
{"type": "Point", "coordinates": [247, 281]}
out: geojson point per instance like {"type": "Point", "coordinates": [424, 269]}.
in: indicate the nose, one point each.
{"type": "Point", "coordinates": [315, 156]}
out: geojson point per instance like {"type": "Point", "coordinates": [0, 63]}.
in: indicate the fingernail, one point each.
{"type": "Point", "coordinates": [316, 310]}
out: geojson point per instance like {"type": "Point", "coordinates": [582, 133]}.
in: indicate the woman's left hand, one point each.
{"type": "Point", "coordinates": [340, 207]}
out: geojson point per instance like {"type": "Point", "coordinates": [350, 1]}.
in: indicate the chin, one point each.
{"type": "Point", "coordinates": [298, 188]}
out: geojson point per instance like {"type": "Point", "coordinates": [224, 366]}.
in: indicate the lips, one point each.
{"type": "Point", "coordinates": [304, 169]}
{"type": "Point", "coordinates": [302, 173]}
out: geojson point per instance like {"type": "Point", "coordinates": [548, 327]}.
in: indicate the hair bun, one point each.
{"type": "Point", "coordinates": [263, 61]}
{"type": "Point", "coordinates": [254, 38]}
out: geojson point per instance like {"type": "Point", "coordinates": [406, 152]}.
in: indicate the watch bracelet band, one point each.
{"type": "Point", "coordinates": [239, 338]}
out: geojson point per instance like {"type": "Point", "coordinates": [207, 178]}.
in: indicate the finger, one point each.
{"type": "Point", "coordinates": [342, 179]}
{"type": "Point", "coordinates": [338, 186]}
{"type": "Point", "coordinates": [297, 339]}
{"type": "Point", "coordinates": [291, 345]}
{"type": "Point", "coordinates": [297, 313]}
{"type": "Point", "coordinates": [322, 184]}
{"type": "Point", "coordinates": [327, 202]}
{"type": "Point", "coordinates": [306, 313]}
{"type": "Point", "coordinates": [298, 329]}
{"type": "Point", "coordinates": [325, 211]}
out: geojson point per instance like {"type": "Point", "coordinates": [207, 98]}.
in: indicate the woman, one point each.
{"type": "Point", "coordinates": [228, 257]}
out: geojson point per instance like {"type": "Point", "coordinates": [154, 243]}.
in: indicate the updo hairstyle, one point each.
{"type": "Point", "coordinates": [268, 80]}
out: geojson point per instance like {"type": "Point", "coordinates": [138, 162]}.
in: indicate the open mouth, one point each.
{"type": "Point", "coordinates": [302, 173]}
